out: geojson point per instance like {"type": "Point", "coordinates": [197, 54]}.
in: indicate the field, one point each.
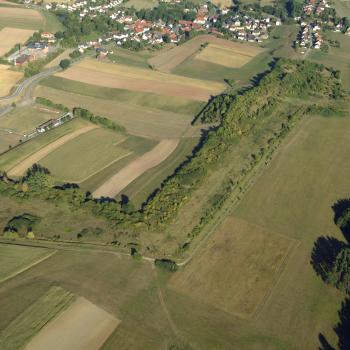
{"type": "Point", "coordinates": [342, 7]}
{"type": "Point", "coordinates": [136, 79]}
{"type": "Point", "coordinates": [136, 168]}
{"type": "Point", "coordinates": [222, 3]}
{"type": "Point", "coordinates": [89, 327]}
{"type": "Point", "coordinates": [137, 118]}
{"type": "Point", "coordinates": [141, 4]}
{"type": "Point", "coordinates": [22, 18]}
{"type": "Point", "coordinates": [85, 155]}
{"type": "Point", "coordinates": [14, 157]}
{"type": "Point", "coordinates": [58, 59]}
{"type": "Point", "coordinates": [9, 78]}
{"type": "Point", "coordinates": [9, 37]}
{"type": "Point", "coordinates": [32, 319]}
{"type": "Point", "coordinates": [169, 60]}
{"type": "Point", "coordinates": [16, 259]}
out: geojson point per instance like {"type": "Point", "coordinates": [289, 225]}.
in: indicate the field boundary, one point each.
{"type": "Point", "coordinates": [37, 262]}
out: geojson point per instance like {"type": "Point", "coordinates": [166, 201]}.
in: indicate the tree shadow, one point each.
{"type": "Point", "coordinates": [324, 345]}
{"type": "Point", "coordinates": [339, 208]}
{"type": "Point", "coordinates": [343, 327]}
{"type": "Point", "coordinates": [323, 255]}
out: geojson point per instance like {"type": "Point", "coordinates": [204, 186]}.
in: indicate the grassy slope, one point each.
{"type": "Point", "coordinates": [13, 157]}
{"type": "Point", "coordinates": [50, 22]}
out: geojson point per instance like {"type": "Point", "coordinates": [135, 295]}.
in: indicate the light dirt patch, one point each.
{"type": "Point", "coordinates": [236, 269]}
{"type": "Point", "coordinates": [21, 168]}
{"type": "Point", "coordinates": [223, 56]}
{"type": "Point", "coordinates": [8, 78]}
{"type": "Point", "coordinates": [167, 61]}
{"type": "Point", "coordinates": [9, 37]}
{"type": "Point", "coordinates": [138, 79]}
{"type": "Point", "coordinates": [83, 326]}
{"type": "Point", "coordinates": [136, 168]}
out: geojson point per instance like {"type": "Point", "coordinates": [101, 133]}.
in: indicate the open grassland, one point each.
{"type": "Point", "coordinates": [34, 317]}
{"type": "Point", "coordinates": [137, 119]}
{"type": "Point", "coordinates": [15, 259]}
{"type": "Point", "coordinates": [36, 157]}
{"type": "Point", "coordinates": [165, 103]}
{"type": "Point", "coordinates": [167, 61]}
{"type": "Point", "coordinates": [236, 269]}
{"type": "Point", "coordinates": [15, 156]}
{"type": "Point", "coordinates": [22, 120]}
{"type": "Point", "coordinates": [9, 37]}
{"type": "Point", "coordinates": [7, 140]}
{"type": "Point", "coordinates": [86, 155]}
{"type": "Point", "coordinates": [18, 17]}
{"type": "Point", "coordinates": [136, 79]}
{"type": "Point", "coordinates": [224, 56]}
{"type": "Point", "coordinates": [136, 168]}
{"type": "Point", "coordinates": [8, 78]}
{"type": "Point", "coordinates": [222, 3]}
{"type": "Point", "coordinates": [139, 190]}
{"type": "Point", "coordinates": [342, 7]}
{"type": "Point", "coordinates": [89, 327]}
{"type": "Point", "coordinates": [337, 58]}
{"type": "Point", "coordinates": [141, 4]}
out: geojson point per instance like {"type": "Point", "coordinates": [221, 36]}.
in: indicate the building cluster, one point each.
{"type": "Point", "coordinates": [315, 7]}
{"type": "Point", "coordinates": [310, 36]}
{"type": "Point", "coordinates": [247, 28]}
{"type": "Point", "coordinates": [33, 50]}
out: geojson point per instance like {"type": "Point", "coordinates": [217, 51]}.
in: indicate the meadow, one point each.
{"type": "Point", "coordinates": [137, 79]}
{"type": "Point", "coordinates": [342, 7]}
{"type": "Point", "coordinates": [9, 37]}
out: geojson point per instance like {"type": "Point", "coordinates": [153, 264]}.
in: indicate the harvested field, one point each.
{"type": "Point", "coordinates": [8, 79]}
{"type": "Point", "coordinates": [32, 319]}
{"type": "Point", "coordinates": [138, 79]}
{"type": "Point", "coordinates": [9, 37]}
{"type": "Point", "coordinates": [85, 155]}
{"type": "Point", "coordinates": [15, 259]}
{"type": "Point", "coordinates": [136, 168]}
{"type": "Point", "coordinates": [169, 60]}
{"type": "Point", "coordinates": [222, 3]}
{"type": "Point", "coordinates": [236, 269]}
{"type": "Point", "coordinates": [137, 119]}
{"type": "Point", "coordinates": [223, 56]}
{"type": "Point", "coordinates": [18, 17]}
{"type": "Point", "coordinates": [83, 326]}
{"type": "Point", "coordinates": [21, 168]}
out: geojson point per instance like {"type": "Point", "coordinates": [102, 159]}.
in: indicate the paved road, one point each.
{"type": "Point", "coordinates": [29, 83]}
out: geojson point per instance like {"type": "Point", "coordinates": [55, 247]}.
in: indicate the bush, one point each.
{"type": "Point", "coordinates": [166, 264]}
{"type": "Point", "coordinates": [65, 63]}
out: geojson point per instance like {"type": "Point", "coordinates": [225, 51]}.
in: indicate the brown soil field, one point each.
{"type": "Point", "coordinates": [9, 37]}
{"type": "Point", "coordinates": [8, 79]}
{"type": "Point", "coordinates": [138, 79]}
{"type": "Point", "coordinates": [21, 168]}
{"type": "Point", "coordinates": [83, 326]}
{"type": "Point", "coordinates": [236, 269]}
{"type": "Point", "coordinates": [136, 168]}
{"type": "Point", "coordinates": [169, 60]}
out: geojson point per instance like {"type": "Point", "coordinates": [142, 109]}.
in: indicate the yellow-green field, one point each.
{"type": "Point", "coordinates": [9, 37]}
{"type": "Point", "coordinates": [137, 79]}
{"type": "Point", "coordinates": [19, 17]}
{"type": "Point", "coordinates": [17, 334]}
{"type": "Point", "coordinates": [15, 259]}
{"type": "Point", "coordinates": [86, 155]}
{"type": "Point", "coordinates": [9, 78]}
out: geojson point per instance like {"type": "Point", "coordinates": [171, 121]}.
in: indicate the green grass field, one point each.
{"type": "Point", "coordinates": [139, 190]}
{"type": "Point", "coordinates": [342, 7]}
{"type": "Point", "coordinates": [141, 4]}
{"type": "Point", "coordinates": [15, 258]}
{"type": "Point", "coordinates": [86, 155]}
{"type": "Point", "coordinates": [138, 120]}
{"type": "Point", "coordinates": [16, 155]}
{"type": "Point", "coordinates": [17, 334]}
{"type": "Point", "coordinates": [8, 139]}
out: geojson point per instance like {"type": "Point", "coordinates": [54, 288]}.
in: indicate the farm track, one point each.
{"type": "Point", "coordinates": [20, 168]}
{"type": "Point", "coordinates": [136, 168]}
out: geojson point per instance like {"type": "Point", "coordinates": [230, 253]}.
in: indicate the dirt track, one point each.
{"type": "Point", "coordinates": [83, 326]}
{"type": "Point", "coordinates": [136, 168]}
{"type": "Point", "coordinates": [21, 168]}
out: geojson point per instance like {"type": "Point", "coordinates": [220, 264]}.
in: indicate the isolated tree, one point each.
{"type": "Point", "coordinates": [65, 63]}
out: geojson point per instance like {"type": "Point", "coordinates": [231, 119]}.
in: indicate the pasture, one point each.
{"type": "Point", "coordinates": [19, 17]}
{"type": "Point", "coordinates": [137, 79]}
{"type": "Point", "coordinates": [136, 118]}
{"type": "Point", "coordinates": [9, 79]}
{"type": "Point", "coordinates": [9, 37]}
{"type": "Point", "coordinates": [141, 4]}
{"type": "Point", "coordinates": [17, 334]}
{"type": "Point", "coordinates": [342, 7]}
{"type": "Point", "coordinates": [89, 327]}
{"type": "Point", "coordinates": [17, 155]}
{"type": "Point", "coordinates": [85, 155]}
{"type": "Point", "coordinates": [169, 60]}
{"type": "Point", "coordinates": [16, 259]}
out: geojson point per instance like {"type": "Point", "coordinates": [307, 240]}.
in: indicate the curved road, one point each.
{"type": "Point", "coordinates": [29, 82]}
